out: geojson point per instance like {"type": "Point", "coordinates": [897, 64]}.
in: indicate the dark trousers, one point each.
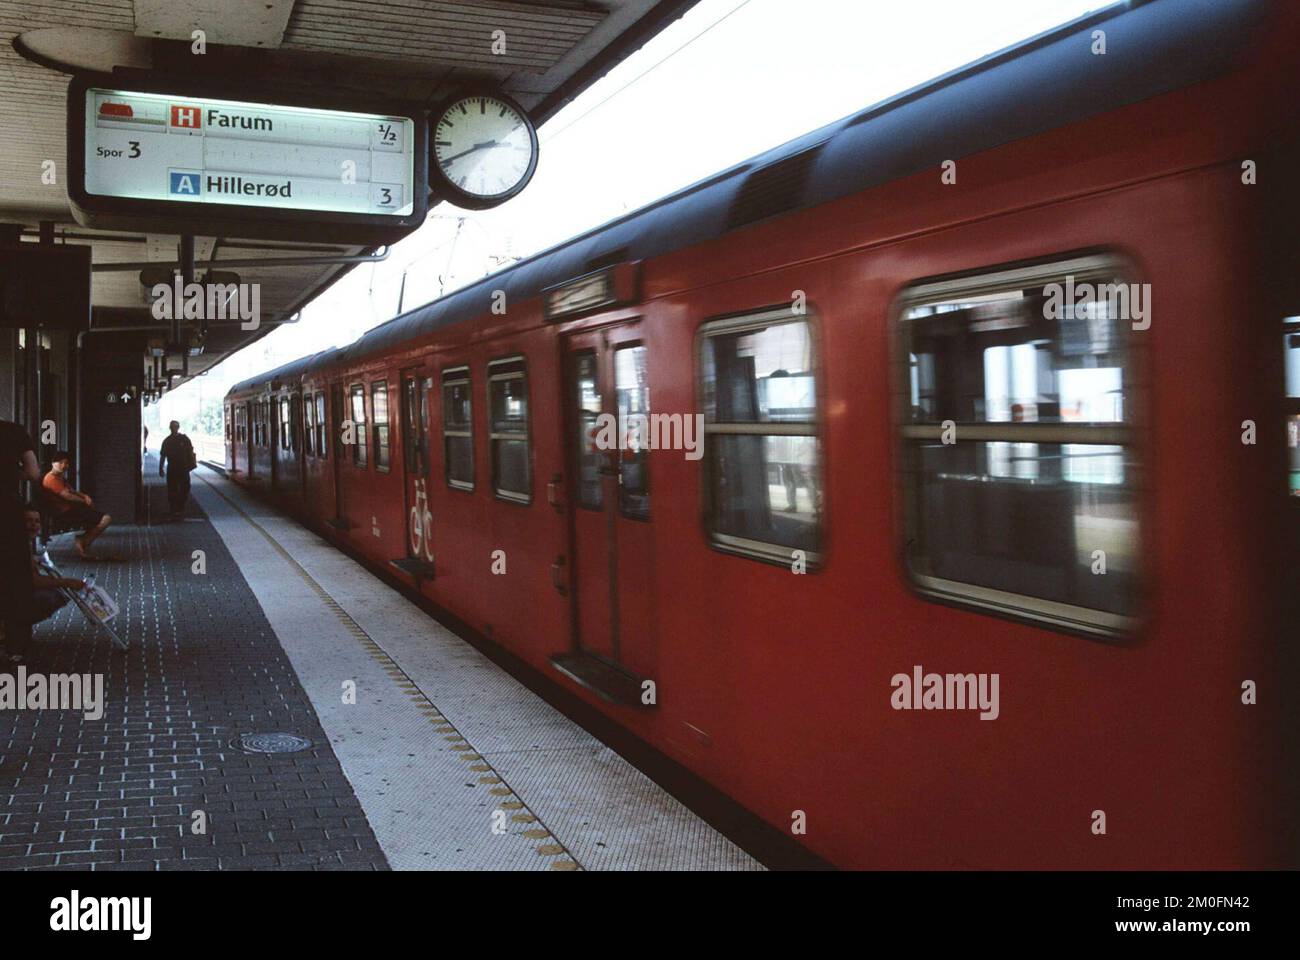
{"type": "Point", "coordinates": [15, 576]}
{"type": "Point", "coordinates": [18, 633]}
{"type": "Point", "coordinates": [178, 490]}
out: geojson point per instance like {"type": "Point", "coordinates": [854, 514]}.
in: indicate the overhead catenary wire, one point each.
{"type": "Point", "coordinates": [647, 71]}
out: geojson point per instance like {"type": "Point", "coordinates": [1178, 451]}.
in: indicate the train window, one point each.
{"type": "Point", "coordinates": [1019, 474]}
{"type": "Point", "coordinates": [415, 441]}
{"type": "Point", "coordinates": [322, 449]}
{"type": "Point", "coordinates": [379, 413]}
{"type": "Point", "coordinates": [295, 419]}
{"type": "Point", "coordinates": [285, 422]}
{"type": "Point", "coordinates": [360, 455]}
{"type": "Point", "coordinates": [632, 393]}
{"type": "Point", "coordinates": [1291, 354]}
{"type": "Point", "coordinates": [309, 425]}
{"type": "Point", "coordinates": [764, 483]}
{"type": "Point", "coordinates": [588, 404]}
{"type": "Point", "coordinates": [457, 428]}
{"type": "Point", "coordinates": [508, 435]}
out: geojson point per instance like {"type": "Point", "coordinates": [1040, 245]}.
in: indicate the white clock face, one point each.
{"type": "Point", "coordinates": [484, 146]}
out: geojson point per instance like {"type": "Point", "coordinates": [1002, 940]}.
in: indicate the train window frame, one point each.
{"type": "Point", "coordinates": [746, 547]}
{"type": "Point", "coordinates": [309, 425]}
{"type": "Point", "coordinates": [513, 367]}
{"type": "Point", "coordinates": [284, 412]}
{"type": "Point", "coordinates": [379, 388]}
{"type": "Point", "coordinates": [360, 432]}
{"type": "Point", "coordinates": [1128, 434]}
{"type": "Point", "coordinates": [451, 377]}
{"type": "Point", "coordinates": [625, 507]}
{"type": "Point", "coordinates": [322, 431]}
{"type": "Point", "coordinates": [295, 419]}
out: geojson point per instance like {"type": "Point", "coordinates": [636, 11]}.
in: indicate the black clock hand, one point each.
{"type": "Point", "coordinates": [478, 146]}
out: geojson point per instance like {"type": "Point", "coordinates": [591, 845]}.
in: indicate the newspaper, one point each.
{"type": "Point", "coordinates": [95, 600]}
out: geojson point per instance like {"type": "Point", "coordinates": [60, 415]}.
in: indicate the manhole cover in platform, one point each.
{"type": "Point", "coordinates": [271, 743]}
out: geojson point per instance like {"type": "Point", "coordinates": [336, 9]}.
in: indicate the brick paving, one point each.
{"type": "Point", "coordinates": [119, 793]}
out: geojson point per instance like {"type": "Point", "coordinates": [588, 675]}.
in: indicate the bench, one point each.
{"type": "Point", "coordinates": [53, 524]}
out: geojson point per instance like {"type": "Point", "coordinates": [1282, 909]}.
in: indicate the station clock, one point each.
{"type": "Point", "coordinates": [482, 150]}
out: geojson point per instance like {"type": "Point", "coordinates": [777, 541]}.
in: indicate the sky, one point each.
{"type": "Point", "coordinates": [730, 79]}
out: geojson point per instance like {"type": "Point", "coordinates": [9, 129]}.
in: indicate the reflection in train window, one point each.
{"type": "Point", "coordinates": [322, 449]}
{"type": "Point", "coordinates": [587, 404]}
{"type": "Point", "coordinates": [379, 414]}
{"type": "Point", "coordinates": [508, 433]}
{"type": "Point", "coordinates": [309, 434]}
{"type": "Point", "coordinates": [359, 443]}
{"type": "Point", "coordinates": [632, 394]}
{"type": "Point", "coordinates": [1020, 474]}
{"type": "Point", "coordinates": [457, 428]}
{"type": "Point", "coordinates": [285, 429]}
{"type": "Point", "coordinates": [759, 392]}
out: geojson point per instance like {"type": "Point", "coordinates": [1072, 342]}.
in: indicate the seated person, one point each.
{"type": "Point", "coordinates": [47, 592]}
{"type": "Point", "coordinates": [73, 506]}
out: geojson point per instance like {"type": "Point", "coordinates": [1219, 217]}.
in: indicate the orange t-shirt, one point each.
{"type": "Point", "coordinates": [56, 485]}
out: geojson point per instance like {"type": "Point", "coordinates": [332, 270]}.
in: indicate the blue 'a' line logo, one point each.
{"type": "Point", "coordinates": [185, 184]}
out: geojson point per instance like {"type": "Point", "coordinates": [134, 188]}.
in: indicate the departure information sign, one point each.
{"type": "Point", "coordinates": [150, 146]}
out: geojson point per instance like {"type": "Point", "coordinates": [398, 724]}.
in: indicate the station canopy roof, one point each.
{"type": "Point", "coordinates": [414, 50]}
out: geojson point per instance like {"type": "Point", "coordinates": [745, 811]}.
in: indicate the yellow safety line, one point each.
{"type": "Point", "coordinates": [521, 812]}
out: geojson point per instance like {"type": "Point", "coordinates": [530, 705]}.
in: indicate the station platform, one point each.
{"type": "Point", "coordinates": [422, 754]}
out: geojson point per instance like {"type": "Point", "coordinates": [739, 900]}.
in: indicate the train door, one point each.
{"type": "Point", "coordinates": [336, 431]}
{"type": "Point", "coordinates": [607, 393]}
{"type": "Point", "coordinates": [242, 446]}
{"type": "Point", "coordinates": [415, 464]}
{"type": "Point", "coordinates": [277, 437]}
{"type": "Point", "coordinates": [231, 434]}
{"type": "Point", "coordinates": [255, 434]}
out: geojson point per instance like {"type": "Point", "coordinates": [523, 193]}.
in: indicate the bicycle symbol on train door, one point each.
{"type": "Point", "coordinates": [421, 524]}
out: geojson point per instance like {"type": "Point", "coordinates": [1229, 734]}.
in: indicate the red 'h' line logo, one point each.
{"type": "Point", "coordinates": [187, 117]}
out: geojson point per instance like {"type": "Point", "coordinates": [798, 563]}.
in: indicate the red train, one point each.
{"type": "Point", "coordinates": [957, 533]}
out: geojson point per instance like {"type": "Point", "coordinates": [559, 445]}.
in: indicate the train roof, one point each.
{"type": "Point", "coordinates": [293, 368]}
{"type": "Point", "coordinates": [1047, 81]}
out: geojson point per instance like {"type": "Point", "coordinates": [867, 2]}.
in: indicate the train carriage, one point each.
{"type": "Point", "coordinates": [976, 395]}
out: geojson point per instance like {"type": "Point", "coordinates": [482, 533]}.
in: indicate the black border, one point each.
{"type": "Point", "coordinates": [229, 220]}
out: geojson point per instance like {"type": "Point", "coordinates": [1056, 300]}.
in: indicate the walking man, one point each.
{"type": "Point", "coordinates": [175, 461]}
